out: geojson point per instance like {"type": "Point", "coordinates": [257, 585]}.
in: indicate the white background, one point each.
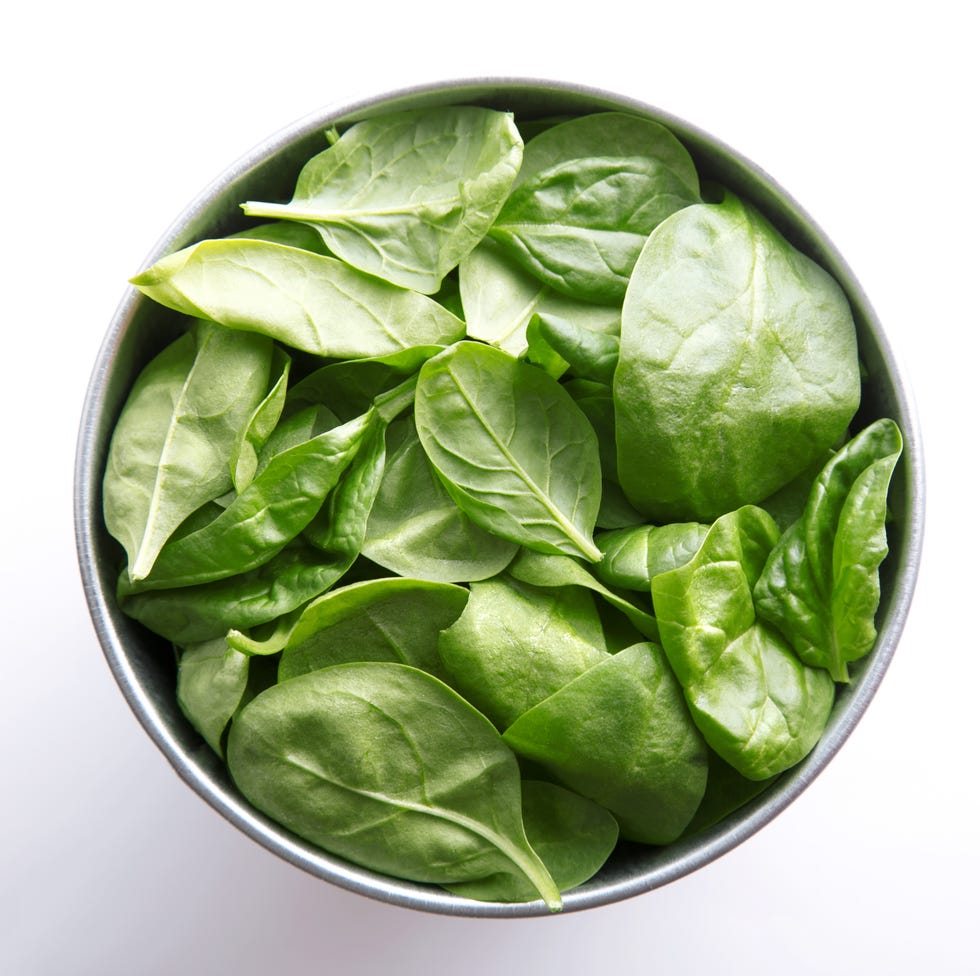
{"type": "Point", "coordinates": [115, 116]}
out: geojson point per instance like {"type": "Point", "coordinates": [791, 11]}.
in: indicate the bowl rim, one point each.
{"type": "Point", "coordinates": [685, 857]}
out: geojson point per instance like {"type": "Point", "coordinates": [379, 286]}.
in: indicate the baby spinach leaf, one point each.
{"type": "Point", "coordinates": [515, 644]}
{"type": "Point", "coordinates": [632, 556]}
{"type": "Point", "coordinates": [738, 365]}
{"type": "Point", "coordinates": [415, 528]}
{"type": "Point", "coordinates": [758, 706]}
{"type": "Point", "coordinates": [298, 428]}
{"type": "Point", "coordinates": [384, 765]}
{"type": "Point", "coordinates": [190, 614]}
{"type": "Point", "coordinates": [284, 232]}
{"type": "Point", "coordinates": [542, 569]}
{"type": "Point", "coordinates": [589, 193]}
{"type": "Point", "coordinates": [590, 354]}
{"type": "Point", "coordinates": [820, 585]}
{"type": "Point", "coordinates": [170, 448]}
{"type": "Point", "coordinates": [727, 790]}
{"type": "Point", "coordinates": [211, 682]}
{"type": "Point", "coordinates": [245, 453]}
{"type": "Point", "coordinates": [392, 619]}
{"type": "Point", "coordinates": [271, 511]}
{"type": "Point", "coordinates": [405, 197]}
{"type": "Point", "coordinates": [621, 735]}
{"type": "Point", "coordinates": [500, 299]}
{"type": "Point", "coordinates": [307, 301]}
{"type": "Point", "coordinates": [513, 450]}
{"type": "Point", "coordinates": [572, 835]}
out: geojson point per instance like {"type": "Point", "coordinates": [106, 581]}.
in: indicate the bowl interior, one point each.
{"type": "Point", "coordinates": [144, 665]}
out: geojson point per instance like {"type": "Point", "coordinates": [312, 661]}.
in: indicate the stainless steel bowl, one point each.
{"type": "Point", "coordinates": [143, 664]}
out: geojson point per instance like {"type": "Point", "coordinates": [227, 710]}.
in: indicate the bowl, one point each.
{"type": "Point", "coordinates": [143, 664]}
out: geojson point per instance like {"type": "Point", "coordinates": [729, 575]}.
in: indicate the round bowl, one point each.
{"type": "Point", "coordinates": [143, 664]}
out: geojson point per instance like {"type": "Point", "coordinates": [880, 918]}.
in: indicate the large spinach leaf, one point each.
{"type": "Point", "coordinates": [171, 446]}
{"type": "Point", "coordinates": [621, 735]}
{"type": "Point", "coordinates": [310, 302]}
{"type": "Point", "coordinates": [386, 766]}
{"type": "Point", "coordinates": [820, 585]}
{"type": "Point", "coordinates": [589, 193]}
{"type": "Point", "coordinates": [738, 365]}
{"type": "Point", "coordinates": [759, 707]}
{"type": "Point", "coordinates": [407, 196]}
{"type": "Point", "coordinates": [512, 448]}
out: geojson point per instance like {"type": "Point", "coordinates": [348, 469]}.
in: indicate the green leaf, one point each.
{"type": "Point", "coordinates": [820, 585]}
{"type": "Point", "coordinates": [394, 620]}
{"type": "Point", "coordinates": [407, 196]}
{"type": "Point", "coordinates": [511, 447]}
{"type": "Point", "coordinates": [385, 766]}
{"type": "Point", "coordinates": [589, 193]}
{"type": "Point", "coordinates": [307, 301]}
{"type": "Point", "coordinates": [621, 735]}
{"type": "Point", "coordinates": [632, 556]}
{"type": "Point", "coordinates": [170, 449]}
{"type": "Point", "coordinates": [417, 530]}
{"type": "Point", "coordinates": [756, 704]}
{"type": "Point", "coordinates": [590, 354]}
{"type": "Point", "coordinates": [211, 682]}
{"type": "Point", "coordinates": [515, 644]}
{"type": "Point", "coordinates": [738, 365]}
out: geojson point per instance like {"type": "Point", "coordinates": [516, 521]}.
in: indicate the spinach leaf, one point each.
{"type": "Point", "coordinates": [589, 193]}
{"type": "Point", "coordinates": [211, 682]}
{"type": "Point", "coordinates": [572, 835]}
{"type": "Point", "coordinates": [757, 705]}
{"type": "Point", "coordinates": [590, 354]}
{"type": "Point", "coordinates": [500, 299]}
{"type": "Point", "coordinates": [271, 511]}
{"type": "Point", "coordinates": [415, 528]}
{"type": "Point", "coordinates": [727, 790]}
{"type": "Point", "coordinates": [393, 619]}
{"type": "Point", "coordinates": [820, 585]}
{"type": "Point", "coordinates": [284, 232]}
{"type": "Point", "coordinates": [621, 735]}
{"type": "Point", "coordinates": [515, 644]}
{"type": "Point", "coordinates": [738, 365]}
{"type": "Point", "coordinates": [190, 614]}
{"type": "Point", "coordinates": [384, 765]}
{"type": "Point", "coordinates": [262, 422]}
{"type": "Point", "coordinates": [632, 556]}
{"type": "Point", "coordinates": [310, 302]}
{"type": "Point", "coordinates": [542, 569]}
{"type": "Point", "coordinates": [406, 197]}
{"type": "Point", "coordinates": [170, 449]}
{"type": "Point", "coordinates": [513, 450]}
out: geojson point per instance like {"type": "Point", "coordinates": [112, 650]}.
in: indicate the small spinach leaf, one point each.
{"type": "Point", "coordinates": [632, 556]}
{"type": "Point", "coordinates": [513, 450]}
{"type": "Point", "coordinates": [820, 585]}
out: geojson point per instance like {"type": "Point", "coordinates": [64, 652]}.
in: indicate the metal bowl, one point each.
{"type": "Point", "coordinates": [143, 664]}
